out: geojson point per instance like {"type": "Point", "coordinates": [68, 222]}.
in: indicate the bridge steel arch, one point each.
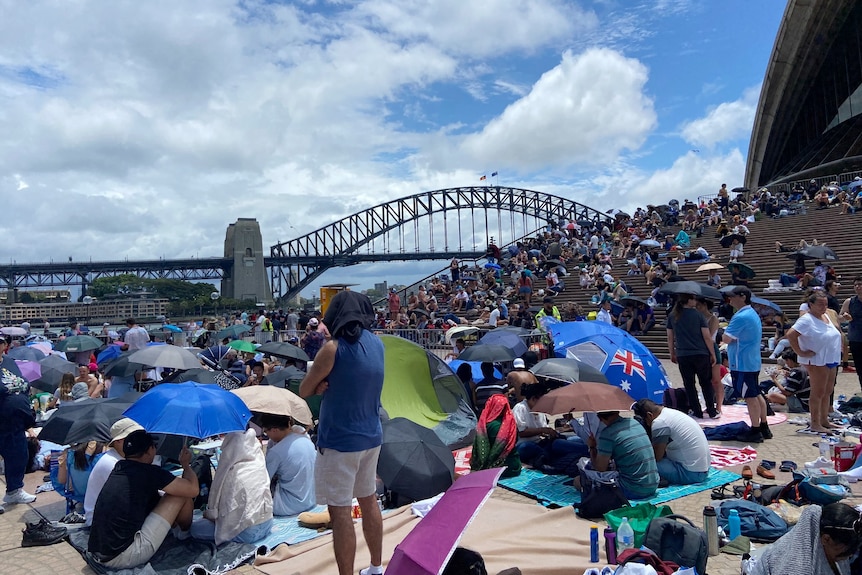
{"type": "Point", "coordinates": [305, 258]}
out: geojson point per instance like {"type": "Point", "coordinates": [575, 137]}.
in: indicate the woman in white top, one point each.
{"type": "Point", "coordinates": [817, 343]}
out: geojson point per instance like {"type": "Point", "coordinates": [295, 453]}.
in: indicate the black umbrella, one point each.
{"type": "Point", "coordinates": [26, 353]}
{"type": "Point", "coordinates": [54, 368]}
{"type": "Point", "coordinates": [282, 376]}
{"type": "Point", "coordinates": [199, 375]}
{"type": "Point", "coordinates": [693, 288]}
{"type": "Point", "coordinates": [816, 253]}
{"type": "Point", "coordinates": [413, 462]}
{"type": "Point", "coordinates": [120, 366]}
{"type": "Point", "coordinates": [740, 190]}
{"type": "Point", "coordinates": [727, 240]}
{"type": "Point", "coordinates": [514, 329]}
{"type": "Point", "coordinates": [84, 420]}
{"type": "Point", "coordinates": [419, 311]}
{"type": "Point", "coordinates": [568, 369]}
{"type": "Point", "coordinates": [633, 300]}
{"type": "Point", "coordinates": [744, 271]}
{"type": "Point", "coordinates": [489, 352]}
{"type": "Point", "coordinates": [284, 349]}
{"type": "Point", "coordinates": [552, 263]}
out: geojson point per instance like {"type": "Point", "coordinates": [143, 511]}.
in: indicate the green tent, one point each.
{"type": "Point", "coordinates": [421, 387]}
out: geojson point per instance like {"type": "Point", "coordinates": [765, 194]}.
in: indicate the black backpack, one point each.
{"type": "Point", "coordinates": [679, 542]}
{"type": "Point", "coordinates": [675, 398]}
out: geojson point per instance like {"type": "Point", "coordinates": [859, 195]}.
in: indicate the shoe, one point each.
{"type": "Point", "coordinates": [788, 466]}
{"type": "Point", "coordinates": [765, 431]}
{"type": "Point", "coordinates": [73, 518]}
{"type": "Point", "coordinates": [18, 496]}
{"type": "Point", "coordinates": [746, 472]}
{"type": "Point", "coordinates": [766, 464]}
{"type": "Point", "coordinates": [765, 473]}
{"type": "Point", "coordinates": [819, 463]}
{"type": "Point", "coordinates": [849, 369]}
{"type": "Point", "coordinates": [42, 533]}
{"type": "Point", "coordinates": [753, 436]}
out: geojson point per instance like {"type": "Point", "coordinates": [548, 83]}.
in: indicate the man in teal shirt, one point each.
{"type": "Point", "coordinates": [625, 441]}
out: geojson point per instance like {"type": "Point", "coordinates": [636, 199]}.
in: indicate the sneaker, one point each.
{"type": "Point", "coordinates": [819, 463]}
{"type": "Point", "coordinates": [42, 533]}
{"type": "Point", "coordinates": [73, 518]}
{"type": "Point", "coordinates": [18, 496]}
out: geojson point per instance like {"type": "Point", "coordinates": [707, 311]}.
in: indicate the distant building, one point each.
{"type": "Point", "coordinates": [143, 308]}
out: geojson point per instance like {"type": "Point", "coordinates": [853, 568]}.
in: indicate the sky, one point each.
{"type": "Point", "coordinates": [140, 130]}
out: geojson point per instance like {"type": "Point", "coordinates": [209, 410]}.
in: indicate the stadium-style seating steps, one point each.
{"type": "Point", "coordinates": [839, 232]}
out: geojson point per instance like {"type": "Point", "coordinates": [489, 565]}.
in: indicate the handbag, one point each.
{"type": "Point", "coordinates": [599, 497]}
{"type": "Point", "coordinates": [640, 516]}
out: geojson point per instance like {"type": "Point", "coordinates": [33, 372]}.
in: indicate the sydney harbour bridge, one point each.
{"type": "Point", "coordinates": [433, 225]}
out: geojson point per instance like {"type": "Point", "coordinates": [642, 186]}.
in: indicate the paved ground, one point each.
{"type": "Point", "coordinates": [63, 559]}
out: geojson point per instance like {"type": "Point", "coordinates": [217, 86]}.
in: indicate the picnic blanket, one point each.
{"type": "Point", "coordinates": [535, 548]}
{"type": "Point", "coordinates": [737, 413]}
{"type": "Point", "coordinates": [558, 491]}
{"type": "Point", "coordinates": [720, 456]}
{"type": "Point", "coordinates": [176, 557]}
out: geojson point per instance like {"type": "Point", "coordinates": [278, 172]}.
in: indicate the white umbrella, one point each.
{"type": "Point", "coordinates": [709, 267]}
{"type": "Point", "coordinates": [460, 331]}
{"type": "Point", "coordinates": [165, 356]}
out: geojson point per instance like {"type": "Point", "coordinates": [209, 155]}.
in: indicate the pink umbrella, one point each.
{"type": "Point", "coordinates": [426, 550]}
{"type": "Point", "coordinates": [30, 370]}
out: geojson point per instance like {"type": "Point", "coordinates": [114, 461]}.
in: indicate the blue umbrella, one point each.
{"type": "Point", "coordinates": [171, 327]}
{"type": "Point", "coordinates": [109, 353]}
{"type": "Point", "coordinates": [213, 355]}
{"type": "Point", "coordinates": [492, 266]}
{"type": "Point", "coordinates": [764, 306]}
{"type": "Point", "coordinates": [475, 367]}
{"type": "Point", "coordinates": [190, 409]}
{"type": "Point", "coordinates": [650, 244]}
{"type": "Point", "coordinates": [506, 339]}
{"type": "Point", "coordinates": [625, 361]}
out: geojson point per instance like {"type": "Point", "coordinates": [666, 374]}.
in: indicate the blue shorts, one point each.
{"type": "Point", "coordinates": [746, 383]}
{"type": "Point", "coordinates": [832, 365]}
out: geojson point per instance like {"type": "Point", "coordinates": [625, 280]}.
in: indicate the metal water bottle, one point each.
{"type": "Point", "coordinates": [594, 544]}
{"type": "Point", "coordinates": [611, 545]}
{"type": "Point", "coordinates": [710, 527]}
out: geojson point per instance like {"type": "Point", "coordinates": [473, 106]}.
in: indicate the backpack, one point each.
{"type": "Point", "coordinates": [675, 398]}
{"type": "Point", "coordinates": [818, 486]}
{"type": "Point", "coordinates": [756, 521]}
{"type": "Point", "coordinates": [680, 542]}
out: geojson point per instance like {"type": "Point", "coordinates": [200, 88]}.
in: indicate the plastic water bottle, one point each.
{"type": "Point", "coordinates": [733, 524]}
{"type": "Point", "coordinates": [594, 544]}
{"type": "Point", "coordinates": [825, 447]}
{"type": "Point", "coordinates": [626, 536]}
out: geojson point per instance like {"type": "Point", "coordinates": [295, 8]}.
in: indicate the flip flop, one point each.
{"type": "Point", "coordinates": [787, 466]}
{"type": "Point", "coordinates": [746, 472]}
{"type": "Point", "coordinates": [808, 431]}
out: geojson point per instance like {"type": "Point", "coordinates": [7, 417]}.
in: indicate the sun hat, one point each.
{"type": "Point", "coordinates": [122, 428]}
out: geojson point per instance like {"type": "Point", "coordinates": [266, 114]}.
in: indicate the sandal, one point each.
{"type": "Point", "coordinates": [720, 492]}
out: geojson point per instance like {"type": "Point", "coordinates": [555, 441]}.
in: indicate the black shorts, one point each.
{"type": "Point", "coordinates": [746, 383]}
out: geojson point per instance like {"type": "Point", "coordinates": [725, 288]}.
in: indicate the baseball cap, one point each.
{"type": "Point", "coordinates": [518, 363]}
{"type": "Point", "coordinates": [313, 322]}
{"type": "Point", "coordinates": [123, 427]}
{"type": "Point", "coordinates": [137, 443]}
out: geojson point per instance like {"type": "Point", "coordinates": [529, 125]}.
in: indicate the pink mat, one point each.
{"type": "Point", "coordinates": [737, 413]}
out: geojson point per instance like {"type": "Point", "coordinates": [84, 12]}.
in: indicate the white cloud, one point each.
{"type": "Point", "coordinates": [726, 122]}
{"type": "Point", "coordinates": [585, 111]}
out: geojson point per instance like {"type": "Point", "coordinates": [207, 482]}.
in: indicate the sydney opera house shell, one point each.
{"type": "Point", "coordinates": [809, 119]}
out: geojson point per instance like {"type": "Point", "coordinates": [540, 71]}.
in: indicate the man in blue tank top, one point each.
{"type": "Point", "coordinates": [348, 373]}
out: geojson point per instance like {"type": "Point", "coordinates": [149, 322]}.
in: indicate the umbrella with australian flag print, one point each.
{"type": "Point", "coordinates": [625, 361]}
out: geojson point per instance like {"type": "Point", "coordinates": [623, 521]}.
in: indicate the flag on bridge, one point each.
{"type": "Point", "coordinates": [482, 178]}
{"type": "Point", "coordinates": [494, 174]}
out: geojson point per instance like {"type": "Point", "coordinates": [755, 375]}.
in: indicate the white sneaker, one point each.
{"type": "Point", "coordinates": [18, 496]}
{"type": "Point", "coordinates": [819, 463]}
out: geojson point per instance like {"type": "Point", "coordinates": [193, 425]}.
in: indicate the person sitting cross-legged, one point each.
{"type": "Point", "coordinates": [131, 520]}
{"type": "Point", "coordinates": [290, 461]}
{"type": "Point", "coordinates": [240, 505]}
{"type": "Point", "coordinates": [679, 444]}
{"type": "Point", "coordinates": [540, 444]}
